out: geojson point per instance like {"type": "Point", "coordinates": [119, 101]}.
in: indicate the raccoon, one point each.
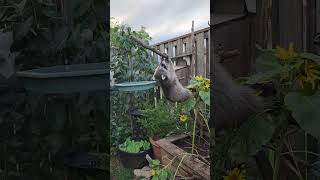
{"type": "Point", "coordinates": [232, 104]}
{"type": "Point", "coordinates": [167, 78]}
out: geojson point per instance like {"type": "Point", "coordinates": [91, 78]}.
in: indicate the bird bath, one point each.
{"type": "Point", "coordinates": [66, 78]}
{"type": "Point", "coordinates": [135, 86]}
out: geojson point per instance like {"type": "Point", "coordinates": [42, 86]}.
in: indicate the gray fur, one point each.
{"type": "Point", "coordinates": [172, 88]}
{"type": "Point", "coordinates": [232, 103]}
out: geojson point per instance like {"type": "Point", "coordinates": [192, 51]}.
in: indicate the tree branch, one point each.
{"type": "Point", "coordinates": [150, 48]}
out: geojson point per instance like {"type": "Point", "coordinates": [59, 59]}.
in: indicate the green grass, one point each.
{"type": "Point", "coordinates": [118, 172]}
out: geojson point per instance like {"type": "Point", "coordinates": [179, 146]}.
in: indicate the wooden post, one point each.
{"type": "Point", "coordinates": [304, 20]}
{"type": "Point", "coordinates": [269, 24]}
{"type": "Point", "coordinates": [193, 51]}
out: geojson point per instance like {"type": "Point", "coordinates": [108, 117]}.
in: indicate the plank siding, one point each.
{"type": "Point", "coordinates": [202, 63]}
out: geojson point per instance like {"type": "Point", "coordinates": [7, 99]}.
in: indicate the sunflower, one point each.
{"type": "Point", "coordinates": [198, 78]}
{"type": "Point", "coordinates": [153, 172]}
{"type": "Point", "coordinates": [183, 118]}
{"type": "Point", "coordinates": [301, 80]}
{"type": "Point", "coordinates": [234, 174]}
{"type": "Point", "coordinates": [206, 85]}
{"type": "Point", "coordinates": [311, 74]}
{"type": "Point", "coordinates": [283, 54]}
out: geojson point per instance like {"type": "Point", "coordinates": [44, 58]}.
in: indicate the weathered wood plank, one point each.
{"type": "Point", "coordinates": [179, 47]}
{"type": "Point", "coordinates": [234, 36]}
{"type": "Point", "coordinates": [180, 54]}
{"type": "Point", "coordinates": [200, 63]}
{"type": "Point", "coordinates": [189, 164]}
{"type": "Point", "coordinates": [290, 23]}
{"type": "Point", "coordinates": [318, 16]}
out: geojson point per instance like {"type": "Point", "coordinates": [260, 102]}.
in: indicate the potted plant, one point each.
{"type": "Point", "coordinates": [160, 121]}
{"type": "Point", "coordinates": [132, 153]}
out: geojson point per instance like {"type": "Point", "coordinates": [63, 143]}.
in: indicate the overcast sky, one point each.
{"type": "Point", "coordinates": [163, 19]}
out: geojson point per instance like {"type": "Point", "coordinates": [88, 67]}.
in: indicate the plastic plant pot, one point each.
{"type": "Point", "coordinates": [134, 160]}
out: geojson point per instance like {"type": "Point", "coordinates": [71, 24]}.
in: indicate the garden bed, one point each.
{"type": "Point", "coordinates": [177, 148]}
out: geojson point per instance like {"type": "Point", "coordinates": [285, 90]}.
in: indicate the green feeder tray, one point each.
{"type": "Point", "coordinates": [135, 86]}
{"type": "Point", "coordinates": [66, 78]}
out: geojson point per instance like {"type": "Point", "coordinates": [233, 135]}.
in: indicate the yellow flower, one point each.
{"type": "Point", "coordinates": [153, 172]}
{"type": "Point", "coordinates": [312, 73]}
{"type": "Point", "coordinates": [234, 175]}
{"type": "Point", "coordinates": [199, 78]}
{"type": "Point", "coordinates": [183, 118]}
{"type": "Point", "coordinates": [301, 79]}
{"type": "Point", "coordinates": [206, 85]}
{"type": "Point", "coordinates": [283, 54]}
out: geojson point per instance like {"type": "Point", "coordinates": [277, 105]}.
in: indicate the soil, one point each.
{"type": "Point", "coordinates": [202, 146]}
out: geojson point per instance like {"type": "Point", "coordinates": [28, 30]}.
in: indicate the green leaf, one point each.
{"type": "Point", "coordinates": [262, 78]}
{"type": "Point", "coordinates": [132, 146]}
{"type": "Point", "coordinates": [267, 62]}
{"type": "Point", "coordinates": [189, 104]}
{"type": "Point", "coordinates": [310, 56]}
{"type": "Point", "coordinates": [305, 110]}
{"type": "Point", "coordinates": [252, 135]}
{"type": "Point", "coordinates": [205, 96]}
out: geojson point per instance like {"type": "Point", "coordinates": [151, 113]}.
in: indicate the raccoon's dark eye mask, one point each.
{"type": "Point", "coordinates": [164, 66]}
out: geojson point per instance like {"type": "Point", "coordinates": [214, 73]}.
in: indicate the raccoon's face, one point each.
{"type": "Point", "coordinates": [163, 72]}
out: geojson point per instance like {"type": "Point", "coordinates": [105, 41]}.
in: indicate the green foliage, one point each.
{"type": "Point", "coordinates": [159, 173]}
{"type": "Point", "coordinates": [205, 97]}
{"type": "Point", "coordinates": [295, 81]}
{"type": "Point", "coordinates": [117, 170]}
{"type": "Point", "coordinates": [129, 62]}
{"type": "Point", "coordinates": [32, 130]}
{"type": "Point", "coordinates": [201, 89]}
{"type": "Point", "coordinates": [288, 82]}
{"type": "Point", "coordinates": [132, 146]}
{"type": "Point", "coordinates": [42, 31]}
{"type": "Point", "coordinates": [305, 111]}
{"type": "Point", "coordinates": [253, 134]}
{"type": "Point", "coordinates": [161, 120]}
{"type": "Point", "coordinates": [271, 64]}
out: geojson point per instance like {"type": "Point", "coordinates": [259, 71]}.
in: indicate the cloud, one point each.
{"type": "Point", "coordinates": [162, 19]}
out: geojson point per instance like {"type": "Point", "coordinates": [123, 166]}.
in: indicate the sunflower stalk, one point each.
{"type": "Point", "coordinates": [194, 129]}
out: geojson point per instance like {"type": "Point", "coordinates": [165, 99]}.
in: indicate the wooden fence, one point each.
{"type": "Point", "coordinates": [180, 51]}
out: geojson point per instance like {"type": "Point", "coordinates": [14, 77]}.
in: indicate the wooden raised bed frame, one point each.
{"type": "Point", "coordinates": [189, 167]}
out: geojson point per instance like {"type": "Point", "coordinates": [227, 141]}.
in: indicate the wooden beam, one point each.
{"type": "Point", "coordinates": [150, 48]}
{"type": "Point", "coordinates": [182, 55]}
